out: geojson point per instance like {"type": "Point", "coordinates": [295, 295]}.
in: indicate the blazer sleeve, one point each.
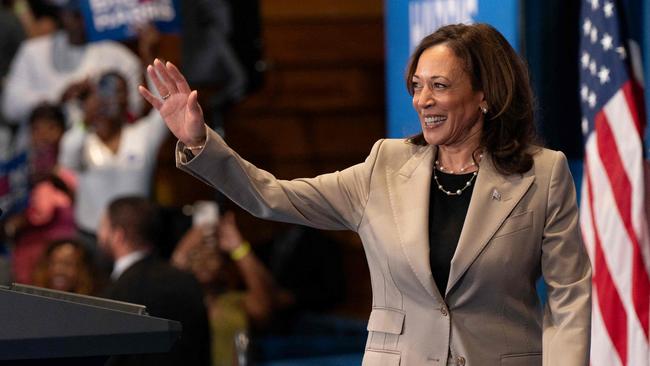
{"type": "Point", "coordinates": [567, 273]}
{"type": "Point", "coordinates": [334, 201]}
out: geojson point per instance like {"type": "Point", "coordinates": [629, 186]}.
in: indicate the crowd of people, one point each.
{"type": "Point", "coordinates": [89, 224]}
{"type": "Point", "coordinates": [88, 139]}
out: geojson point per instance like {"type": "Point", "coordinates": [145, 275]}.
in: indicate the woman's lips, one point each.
{"type": "Point", "coordinates": [434, 120]}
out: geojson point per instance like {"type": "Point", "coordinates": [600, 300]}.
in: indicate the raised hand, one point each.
{"type": "Point", "coordinates": [229, 236]}
{"type": "Point", "coordinates": [76, 90]}
{"type": "Point", "coordinates": [178, 106]}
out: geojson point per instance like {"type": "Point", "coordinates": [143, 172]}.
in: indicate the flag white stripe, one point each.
{"type": "Point", "coordinates": [617, 251]}
{"type": "Point", "coordinates": [626, 135]}
{"type": "Point", "coordinates": [631, 152]}
{"type": "Point", "coordinates": [603, 352]}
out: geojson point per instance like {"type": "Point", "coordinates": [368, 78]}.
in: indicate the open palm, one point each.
{"type": "Point", "coordinates": [178, 106]}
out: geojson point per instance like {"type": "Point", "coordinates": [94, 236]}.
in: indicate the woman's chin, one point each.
{"type": "Point", "coordinates": [432, 137]}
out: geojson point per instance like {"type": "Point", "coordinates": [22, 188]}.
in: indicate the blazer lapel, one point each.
{"type": "Point", "coordinates": [409, 197]}
{"type": "Point", "coordinates": [493, 198]}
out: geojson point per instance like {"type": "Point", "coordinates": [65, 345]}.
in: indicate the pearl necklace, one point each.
{"type": "Point", "coordinates": [461, 170]}
{"type": "Point", "coordinates": [458, 192]}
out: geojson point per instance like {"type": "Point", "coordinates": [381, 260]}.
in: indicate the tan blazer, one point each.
{"type": "Point", "coordinates": [517, 228]}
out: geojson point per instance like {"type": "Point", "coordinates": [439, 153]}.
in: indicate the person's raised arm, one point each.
{"type": "Point", "coordinates": [258, 280]}
{"type": "Point", "coordinates": [334, 201]}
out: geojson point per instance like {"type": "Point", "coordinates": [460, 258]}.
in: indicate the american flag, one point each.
{"type": "Point", "coordinates": [613, 219]}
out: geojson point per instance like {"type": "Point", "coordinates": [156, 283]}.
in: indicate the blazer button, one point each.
{"type": "Point", "coordinates": [443, 311]}
{"type": "Point", "coordinates": [460, 361]}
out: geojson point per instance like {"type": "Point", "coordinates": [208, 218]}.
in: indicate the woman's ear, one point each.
{"type": "Point", "coordinates": [482, 105]}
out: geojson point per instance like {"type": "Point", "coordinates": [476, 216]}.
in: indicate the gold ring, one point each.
{"type": "Point", "coordinates": [164, 97]}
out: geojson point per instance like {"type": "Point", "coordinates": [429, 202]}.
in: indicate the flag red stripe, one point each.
{"type": "Point", "coordinates": [609, 300]}
{"type": "Point", "coordinates": [622, 189]}
{"type": "Point", "coordinates": [634, 98]}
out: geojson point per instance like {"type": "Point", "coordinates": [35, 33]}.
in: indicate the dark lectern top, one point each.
{"type": "Point", "coordinates": [37, 323]}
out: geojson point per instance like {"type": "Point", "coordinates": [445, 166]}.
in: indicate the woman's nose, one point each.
{"type": "Point", "coordinates": [426, 99]}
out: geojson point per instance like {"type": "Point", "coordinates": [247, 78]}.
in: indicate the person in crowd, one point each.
{"type": "Point", "coordinates": [66, 266]}
{"type": "Point", "coordinates": [57, 68]}
{"type": "Point", "coordinates": [46, 125]}
{"type": "Point", "coordinates": [457, 222]}
{"type": "Point", "coordinates": [230, 310]}
{"type": "Point", "coordinates": [13, 35]}
{"type": "Point", "coordinates": [110, 156]}
{"type": "Point", "coordinates": [49, 213]}
{"type": "Point", "coordinates": [128, 234]}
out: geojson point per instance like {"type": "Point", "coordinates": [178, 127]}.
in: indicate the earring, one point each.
{"type": "Point", "coordinates": [483, 109]}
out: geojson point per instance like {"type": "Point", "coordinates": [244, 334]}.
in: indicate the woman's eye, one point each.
{"type": "Point", "coordinates": [416, 85]}
{"type": "Point", "coordinates": [439, 85]}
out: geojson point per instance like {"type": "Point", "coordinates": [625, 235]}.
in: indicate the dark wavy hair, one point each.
{"type": "Point", "coordinates": [496, 69]}
{"type": "Point", "coordinates": [86, 280]}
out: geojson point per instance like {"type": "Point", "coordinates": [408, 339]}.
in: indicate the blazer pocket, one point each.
{"type": "Point", "coordinates": [380, 358]}
{"type": "Point", "coordinates": [522, 359]}
{"type": "Point", "coordinates": [515, 223]}
{"type": "Point", "coordinates": [386, 320]}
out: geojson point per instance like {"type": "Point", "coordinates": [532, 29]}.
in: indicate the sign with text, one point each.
{"type": "Point", "coordinates": [119, 19]}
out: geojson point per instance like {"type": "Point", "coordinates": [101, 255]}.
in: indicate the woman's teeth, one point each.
{"type": "Point", "coordinates": [431, 121]}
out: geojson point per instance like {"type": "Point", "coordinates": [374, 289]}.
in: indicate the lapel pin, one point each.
{"type": "Point", "coordinates": [496, 195]}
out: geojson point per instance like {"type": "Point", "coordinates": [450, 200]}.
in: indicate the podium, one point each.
{"type": "Point", "coordinates": [47, 327]}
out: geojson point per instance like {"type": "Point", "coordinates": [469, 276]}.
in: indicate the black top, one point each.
{"type": "Point", "coordinates": [446, 218]}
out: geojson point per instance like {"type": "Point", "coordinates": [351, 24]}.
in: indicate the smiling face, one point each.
{"type": "Point", "coordinates": [63, 268]}
{"type": "Point", "coordinates": [443, 97]}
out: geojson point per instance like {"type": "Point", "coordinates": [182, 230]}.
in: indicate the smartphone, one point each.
{"type": "Point", "coordinates": [205, 217]}
{"type": "Point", "coordinates": [205, 213]}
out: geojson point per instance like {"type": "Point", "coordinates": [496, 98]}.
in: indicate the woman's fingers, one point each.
{"type": "Point", "coordinates": [155, 102]}
{"type": "Point", "coordinates": [193, 104]}
{"type": "Point", "coordinates": [179, 79]}
{"type": "Point", "coordinates": [164, 76]}
{"type": "Point", "coordinates": [160, 86]}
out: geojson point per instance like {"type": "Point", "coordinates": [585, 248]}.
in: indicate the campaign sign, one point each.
{"type": "Point", "coordinates": [119, 19]}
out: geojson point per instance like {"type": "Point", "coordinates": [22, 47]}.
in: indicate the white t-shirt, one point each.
{"type": "Point", "coordinates": [33, 77]}
{"type": "Point", "coordinates": [104, 175]}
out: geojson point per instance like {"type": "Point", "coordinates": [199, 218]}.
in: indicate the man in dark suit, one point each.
{"type": "Point", "coordinates": [128, 234]}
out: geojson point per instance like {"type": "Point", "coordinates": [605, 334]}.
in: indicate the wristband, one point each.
{"type": "Point", "coordinates": [241, 251]}
{"type": "Point", "coordinates": [21, 7]}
